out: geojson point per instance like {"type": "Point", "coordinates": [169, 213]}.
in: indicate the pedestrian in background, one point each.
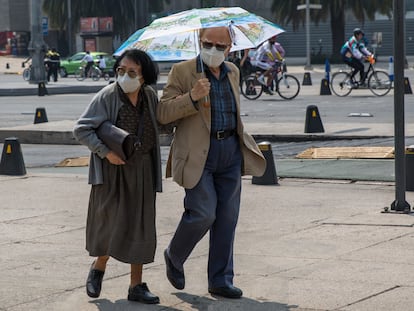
{"type": "Point", "coordinates": [53, 64]}
{"type": "Point", "coordinates": [209, 153]}
{"type": "Point", "coordinates": [121, 215]}
{"type": "Point", "coordinates": [102, 63]}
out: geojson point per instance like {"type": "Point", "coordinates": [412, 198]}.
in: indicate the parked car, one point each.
{"type": "Point", "coordinates": [69, 65]}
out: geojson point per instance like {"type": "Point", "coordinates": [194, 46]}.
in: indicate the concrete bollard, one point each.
{"type": "Point", "coordinates": [12, 162]}
{"type": "Point", "coordinates": [325, 89]}
{"type": "Point", "coordinates": [42, 90]}
{"type": "Point", "coordinates": [307, 79]}
{"type": "Point", "coordinates": [269, 177]}
{"type": "Point", "coordinates": [40, 116]}
{"type": "Point", "coordinates": [313, 122]}
{"type": "Point", "coordinates": [409, 168]}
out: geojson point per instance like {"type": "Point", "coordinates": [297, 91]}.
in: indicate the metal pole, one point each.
{"type": "Point", "coordinates": [37, 47]}
{"type": "Point", "coordinates": [400, 204]}
{"type": "Point", "coordinates": [69, 27]}
{"type": "Point", "coordinates": [136, 14]}
{"type": "Point", "coordinates": [308, 63]}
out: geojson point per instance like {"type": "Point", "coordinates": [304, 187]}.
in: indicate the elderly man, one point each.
{"type": "Point", "coordinates": [209, 154]}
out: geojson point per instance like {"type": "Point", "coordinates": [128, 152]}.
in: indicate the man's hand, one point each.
{"type": "Point", "coordinates": [200, 89]}
{"type": "Point", "coordinates": [113, 158]}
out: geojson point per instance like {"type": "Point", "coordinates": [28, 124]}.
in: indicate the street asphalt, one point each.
{"type": "Point", "coordinates": [313, 238]}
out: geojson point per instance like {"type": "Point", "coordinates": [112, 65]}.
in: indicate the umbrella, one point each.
{"type": "Point", "coordinates": [175, 37]}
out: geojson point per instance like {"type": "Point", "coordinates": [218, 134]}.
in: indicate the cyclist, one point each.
{"type": "Point", "coordinates": [268, 55]}
{"type": "Point", "coordinates": [354, 51]}
{"type": "Point", "coordinates": [89, 62]}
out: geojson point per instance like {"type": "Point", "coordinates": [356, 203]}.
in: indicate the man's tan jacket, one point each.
{"type": "Point", "coordinates": [190, 146]}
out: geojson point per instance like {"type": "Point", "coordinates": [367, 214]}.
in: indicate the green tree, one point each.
{"type": "Point", "coordinates": [123, 13]}
{"type": "Point", "coordinates": [286, 12]}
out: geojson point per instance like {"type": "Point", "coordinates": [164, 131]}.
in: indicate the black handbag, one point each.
{"type": "Point", "coordinates": [114, 137]}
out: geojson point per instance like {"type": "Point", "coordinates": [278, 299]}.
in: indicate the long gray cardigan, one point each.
{"type": "Point", "coordinates": [105, 106]}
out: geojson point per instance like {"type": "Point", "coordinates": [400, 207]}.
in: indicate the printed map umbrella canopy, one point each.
{"type": "Point", "coordinates": [175, 37]}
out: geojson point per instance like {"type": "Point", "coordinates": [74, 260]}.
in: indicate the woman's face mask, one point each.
{"type": "Point", "coordinates": [212, 57]}
{"type": "Point", "coordinates": [128, 84]}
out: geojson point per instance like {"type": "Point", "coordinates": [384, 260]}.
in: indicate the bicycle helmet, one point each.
{"type": "Point", "coordinates": [358, 31]}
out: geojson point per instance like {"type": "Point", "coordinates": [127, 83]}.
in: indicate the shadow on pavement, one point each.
{"type": "Point", "coordinates": [202, 303]}
{"type": "Point", "coordinates": [125, 305]}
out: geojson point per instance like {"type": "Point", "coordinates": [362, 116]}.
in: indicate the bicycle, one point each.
{"type": "Point", "coordinates": [26, 72]}
{"type": "Point", "coordinates": [94, 72]}
{"type": "Point", "coordinates": [379, 82]}
{"type": "Point", "coordinates": [286, 85]}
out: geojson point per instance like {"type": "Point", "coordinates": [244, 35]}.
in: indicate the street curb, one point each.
{"type": "Point", "coordinates": [312, 137]}
{"type": "Point", "coordinates": [46, 137]}
{"type": "Point", "coordinates": [52, 90]}
{"type": "Point", "coordinates": [56, 90]}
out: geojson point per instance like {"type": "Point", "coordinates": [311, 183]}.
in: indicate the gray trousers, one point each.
{"type": "Point", "coordinates": [213, 204]}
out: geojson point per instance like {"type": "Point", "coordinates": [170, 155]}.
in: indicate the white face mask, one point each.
{"type": "Point", "coordinates": [212, 57]}
{"type": "Point", "coordinates": [127, 84]}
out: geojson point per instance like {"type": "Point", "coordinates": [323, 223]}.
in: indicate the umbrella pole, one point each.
{"type": "Point", "coordinates": [201, 62]}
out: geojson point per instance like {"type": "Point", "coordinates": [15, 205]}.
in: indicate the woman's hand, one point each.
{"type": "Point", "coordinates": [113, 158]}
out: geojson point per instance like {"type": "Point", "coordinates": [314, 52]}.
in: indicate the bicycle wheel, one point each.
{"type": "Point", "coordinates": [251, 88]}
{"type": "Point", "coordinates": [288, 86]}
{"type": "Point", "coordinates": [341, 83]}
{"type": "Point", "coordinates": [26, 74]}
{"type": "Point", "coordinates": [80, 74]}
{"type": "Point", "coordinates": [95, 74]}
{"type": "Point", "coordinates": [379, 83]}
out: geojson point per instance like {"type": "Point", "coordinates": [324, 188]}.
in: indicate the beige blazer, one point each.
{"type": "Point", "coordinates": [189, 148]}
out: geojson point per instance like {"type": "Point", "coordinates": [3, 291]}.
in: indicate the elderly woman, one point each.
{"type": "Point", "coordinates": [121, 214]}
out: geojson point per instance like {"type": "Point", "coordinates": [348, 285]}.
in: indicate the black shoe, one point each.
{"type": "Point", "coordinates": [226, 291]}
{"type": "Point", "coordinates": [94, 282]}
{"type": "Point", "coordinates": [175, 276]}
{"type": "Point", "coordinates": [142, 294]}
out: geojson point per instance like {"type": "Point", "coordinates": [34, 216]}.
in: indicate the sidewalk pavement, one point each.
{"type": "Point", "coordinates": [316, 241]}
{"type": "Point", "coordinates": [302, 245]}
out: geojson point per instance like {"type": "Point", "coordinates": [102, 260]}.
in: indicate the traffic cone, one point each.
{"type": "Point", "coordinates": [269, 177]}
{"type": "Point", "coordinates": [307, 79]}
{"type": "Point", "coordinates": [313, 122]}
{"type": "Point", "coordinates": [391, 69]}
{"type": "Point", "coordinates": [42, 90]}
{"type": "Point", "coordinates": [407, 86]}
{"type": "Point", "coordinates": [325, 89]}
{"type": "Point", "coordinates": [12, 162]}
{"type": "Point", "coordinates": [40, 116]}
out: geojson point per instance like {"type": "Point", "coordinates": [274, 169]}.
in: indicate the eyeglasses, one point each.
{"type": "Point", "coordinates": [121, 71]}
{"type": "Point", "coordinates": [209, 45]}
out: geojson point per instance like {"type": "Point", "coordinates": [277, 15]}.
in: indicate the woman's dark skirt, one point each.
{"type": "Point", "coordinates": [121, 214]}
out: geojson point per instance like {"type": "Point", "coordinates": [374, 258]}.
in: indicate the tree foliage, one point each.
{"type": "Point", "coordinates": [123, 12]}
{"type": "Point", "coordinates": [285, 12]}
